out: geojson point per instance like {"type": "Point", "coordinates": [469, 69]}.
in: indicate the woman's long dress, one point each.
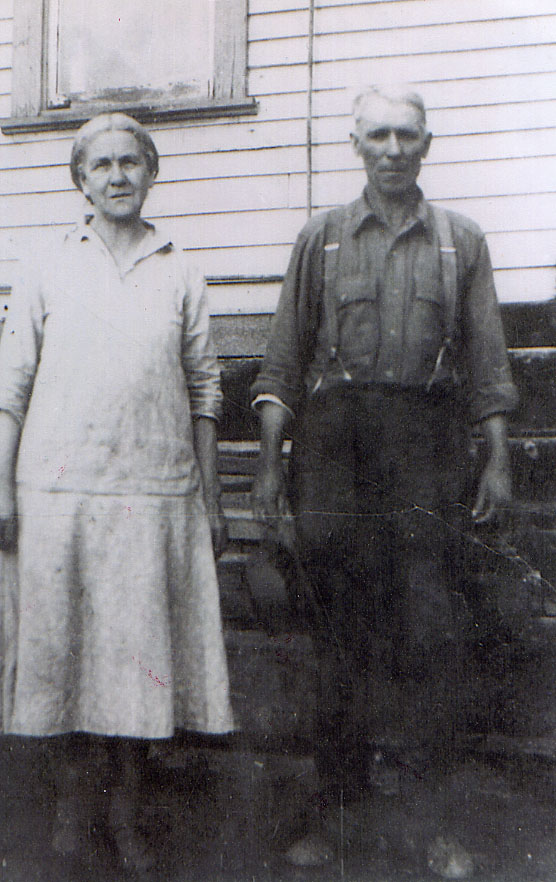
{"type": "Point", "coordinates": [115, 619]}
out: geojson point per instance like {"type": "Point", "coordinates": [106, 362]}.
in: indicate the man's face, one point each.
{"type": "Point", "coordinates": [391, 140]}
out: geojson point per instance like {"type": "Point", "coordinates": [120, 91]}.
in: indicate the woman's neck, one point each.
{"type": "Point", "coordinates": [121, 238]}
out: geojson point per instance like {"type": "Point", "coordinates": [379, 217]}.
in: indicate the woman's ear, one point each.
{"type": "Point", "coordinates": [84, 185]}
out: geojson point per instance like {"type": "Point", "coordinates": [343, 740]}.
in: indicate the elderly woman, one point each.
{"type": "Point", "coordinates": [109, 497]}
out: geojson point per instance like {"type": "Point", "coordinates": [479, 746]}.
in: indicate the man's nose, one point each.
{"type": "Point", "coordinates": [393, 145]}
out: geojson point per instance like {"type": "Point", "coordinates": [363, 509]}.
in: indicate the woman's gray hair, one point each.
{"type": "Point", "coordinates": [397, 94]}
{"type": "Point", "coordinates": [106, 122]}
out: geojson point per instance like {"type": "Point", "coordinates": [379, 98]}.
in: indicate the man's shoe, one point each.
{"type": "Point", "coordinates": [312, 850]}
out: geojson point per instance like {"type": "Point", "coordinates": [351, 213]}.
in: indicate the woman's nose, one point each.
{"type": "Point", "coordinates": [116, 173]}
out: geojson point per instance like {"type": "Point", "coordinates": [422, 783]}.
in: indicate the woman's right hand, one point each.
{"type": "Point", "coordinates": [8, 518]}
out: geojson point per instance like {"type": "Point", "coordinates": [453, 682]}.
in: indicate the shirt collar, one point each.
{"type": "Point", "coordinates": [366, 208]}
{"type": "Point", "coordinates": [154, 241]}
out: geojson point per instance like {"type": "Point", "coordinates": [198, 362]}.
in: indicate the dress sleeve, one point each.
{"type": "Point", "coordinates": [198, 351]}
{"type": "Point", "coordinates": [21, 342]}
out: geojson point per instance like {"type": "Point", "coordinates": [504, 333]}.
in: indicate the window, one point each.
{"type": "Point", "coordinates": [159, 59]}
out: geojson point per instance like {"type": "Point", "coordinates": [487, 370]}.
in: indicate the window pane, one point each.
{"type": "Point", "coordinates": [105, 46]}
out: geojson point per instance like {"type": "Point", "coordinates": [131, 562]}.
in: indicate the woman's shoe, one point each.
{"type": "Point", "coordinates": [69, 829]}
{"type": "Point", "coordinates": [133, 847]}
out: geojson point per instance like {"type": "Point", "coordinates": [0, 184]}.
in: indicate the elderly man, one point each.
{"type": "Point", "coordinates": [386, 345]}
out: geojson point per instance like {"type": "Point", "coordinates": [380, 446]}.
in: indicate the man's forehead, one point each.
{"type": "Point", "coordinates": [377, 111]}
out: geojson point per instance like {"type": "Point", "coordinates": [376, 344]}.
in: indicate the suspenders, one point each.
{"type": "Point", "coordinates": [333, 235]}
{"type": "Point", "coordinates": [448, 268]}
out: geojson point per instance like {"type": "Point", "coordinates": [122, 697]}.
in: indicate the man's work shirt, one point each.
{"type": "Point", "coordinates": [390, 310]}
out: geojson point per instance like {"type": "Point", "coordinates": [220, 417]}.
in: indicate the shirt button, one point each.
{"type": "Point", "coordinates": [392, 332]}
{"type": "Point", "coordinates": [389, 373]}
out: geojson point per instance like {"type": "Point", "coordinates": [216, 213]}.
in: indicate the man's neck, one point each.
{"type": "Point", "coordinates": [394, 209]}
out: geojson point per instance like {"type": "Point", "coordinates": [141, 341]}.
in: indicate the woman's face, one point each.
{"type": "Point", "coordinates": [115, 176]}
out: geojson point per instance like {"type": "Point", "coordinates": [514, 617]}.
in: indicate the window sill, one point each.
{"type": "Point", "coordinates": [73, 118]}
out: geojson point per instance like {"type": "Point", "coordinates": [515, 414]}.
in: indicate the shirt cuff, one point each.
{"type": "Point", "coordinates": [268, 396]}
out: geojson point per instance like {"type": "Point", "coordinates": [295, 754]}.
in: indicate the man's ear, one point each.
{"type": "Point", "coordinates": [427, 144]}
{"type": "Point", "coordinates": [355, 143]}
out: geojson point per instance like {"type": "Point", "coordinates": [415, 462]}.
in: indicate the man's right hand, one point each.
{"type": "Point", "coordinates": [8, 519]}
{"type": "Point", "coordinates": [268, 496]}
{"type": "Point", "coordinates": [270, 505]}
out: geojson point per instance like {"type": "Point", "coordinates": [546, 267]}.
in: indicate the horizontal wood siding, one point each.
{"type": "Point", "coordinates": [233, 191]}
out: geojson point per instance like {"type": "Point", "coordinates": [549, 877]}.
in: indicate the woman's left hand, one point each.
{"type": "Point", "coordinates": [218, 529]}
{"type": "Point", "coordinates": [204, 433]}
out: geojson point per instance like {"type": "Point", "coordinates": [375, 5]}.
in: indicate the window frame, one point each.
{"type": "Point", "coordinates": [29, 76]}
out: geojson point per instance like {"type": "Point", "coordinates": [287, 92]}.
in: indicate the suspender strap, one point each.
{"type": "Point", "coordinates": [333, 235]}
{"type": "Point", "coordinates": [332, 243]}
{"type": "Point", "coordinates": [448, 267]}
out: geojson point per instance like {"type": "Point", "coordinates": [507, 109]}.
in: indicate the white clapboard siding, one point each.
{"type": "Point", "coordinates": [232, 192]}
{"type": "Point", "coordinates": [248, 299]}
{"type": "Point", "coordinates": [272, 192]}
{"type": "Point", "coordinates": [454, 121]}
{"type": "Point", "coordinates": [6, 31]}
{"type": "Point", "coordinates": [472, 149]}
{"type": "Point", "coordinates": [5, 81]}
{"type": "Point", "coordinates": [242, 260]}
{"type": "Point", "coordinates": [408, 41]}
{"type": "Point", "coordinates": [469, 92]}
{"type": "Point", "coordinates": [215, 137]}
{"type": "Point", "coordinates": [422, 68]}
{"type": "Point", "coordinates": [462, 180]}
{"type": "Point", "coordinates": [200, 197]}
{"type": "Point", "coordinates": [21, 162]}
{"type": "Point", "coordinates": [336, 157]}
{"type": "Point", "coordinates": [193, 231]}
{"type": "Point", "coordinates": [530, 248]}
{"type": "Point", "coordinates": [491, 63]}
{"type": "Point", "coordinates": [240, 163]}
{"type": "Point", "coordinates": [525, 285]}
{"type": "Point", "coordinates": [509, 213]}
{"type": "Point", "coordinates": [407, 11]}
{"type": "Point", "coordinates": [372, 16]}
{"type": "Point", "coordinates": [503, 213]}
{"type": "Point", "coordinates": [5, 56]}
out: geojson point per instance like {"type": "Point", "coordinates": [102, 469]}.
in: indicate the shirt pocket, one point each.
{"type": "Point", "coordinates": [358, 317]}
{"type": "Point", "coordinates": [425, 330]}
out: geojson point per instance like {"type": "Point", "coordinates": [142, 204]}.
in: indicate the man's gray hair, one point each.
{"type": "Point", "coordinates": [396, 94]}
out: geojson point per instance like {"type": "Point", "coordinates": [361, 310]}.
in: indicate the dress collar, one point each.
{"type": "Point", "coordinates": [153, 241]}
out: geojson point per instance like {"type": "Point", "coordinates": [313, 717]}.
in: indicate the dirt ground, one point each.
{"type": "Point", "coordinates": [228, 815]}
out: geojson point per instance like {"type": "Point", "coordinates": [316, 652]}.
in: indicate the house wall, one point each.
{"type": "Point", "coordinates": [234, 191]}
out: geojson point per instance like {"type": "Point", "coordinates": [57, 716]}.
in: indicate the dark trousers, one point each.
{"type": "Point", "coordinates": [378, 482]}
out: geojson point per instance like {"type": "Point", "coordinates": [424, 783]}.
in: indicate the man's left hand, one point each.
{"type": "Point", "coordinates": [494, 494]}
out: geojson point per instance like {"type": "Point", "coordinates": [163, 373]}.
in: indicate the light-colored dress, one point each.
{"type": "Point", "coordinates": [115, 606]}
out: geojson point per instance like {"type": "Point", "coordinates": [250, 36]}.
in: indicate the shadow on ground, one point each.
{"type": "Point", "coordinates": [227, 815]}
